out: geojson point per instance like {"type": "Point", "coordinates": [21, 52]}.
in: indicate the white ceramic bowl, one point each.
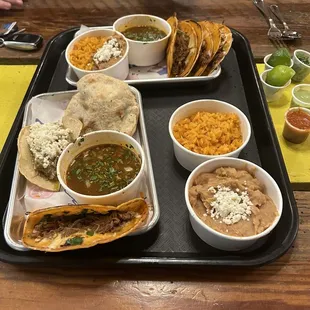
{"type": "Point", "coordinates": [268, 67]}
{"type": "Point", "coordinates": [190, 160]}
{"type": "Point", "coordinates": [215, 238]}
{"type": "Point", "coordinates": [119, 70]}
{"type": "Point", "coordinates": [272, 93]}
{"type": "Point", "coordinates": [302, 70]}
{"type": "Point", "coordinates": [131, 191]}
{"type": "Point", "coordinates": [144, 53]}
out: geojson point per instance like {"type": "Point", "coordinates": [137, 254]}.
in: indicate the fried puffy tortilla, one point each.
{"type": "Point", "coordinates": [104, 103]}
{"type": "Point", "coordinates": [223, 49]}
{"type": "Point", "coordinates": [184, 47]}
{"type": "Point", "coordinates": [66, 228]}
{"type": "Point", "coordinates": [26, 163]}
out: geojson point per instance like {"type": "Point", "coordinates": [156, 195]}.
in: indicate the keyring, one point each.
{"type": "Point", "coordinates": [1, 42]}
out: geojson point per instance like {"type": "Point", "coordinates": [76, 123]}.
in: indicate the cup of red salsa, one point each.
{"type": "Point", "coordinates": [297, 125]}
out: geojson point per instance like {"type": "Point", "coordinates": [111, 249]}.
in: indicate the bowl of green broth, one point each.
{"type": "Point", "coordinates": [102, 167]}
{"type": "Point", "coordinates": [144, 33]}
{"type": "Point", "coordinates": [147, 36]}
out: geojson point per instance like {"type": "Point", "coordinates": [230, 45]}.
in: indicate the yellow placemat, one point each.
{"type": "Point", "coordinates": [296, 156]}
{"type": "Point", "coordinates": [14, 81]}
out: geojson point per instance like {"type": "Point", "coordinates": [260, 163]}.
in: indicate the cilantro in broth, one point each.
{"type": "Point", "coordinates": [103, 169]}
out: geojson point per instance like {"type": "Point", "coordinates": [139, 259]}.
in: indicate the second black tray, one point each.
{"type": "Point", "coordinates": [172, 241]}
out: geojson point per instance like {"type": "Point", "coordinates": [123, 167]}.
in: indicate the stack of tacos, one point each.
{"type": "Point", "coordinates": [196, 48]}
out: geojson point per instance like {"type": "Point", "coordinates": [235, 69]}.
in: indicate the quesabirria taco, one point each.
{"type": "Point", "coordinates": [223, 49]}
{"type": "Point", "coordinates": [196, 49]}
{"type": "Point", "coordinates": [71, 227]}
{"type": "Point", "coordinates": [184, 47]}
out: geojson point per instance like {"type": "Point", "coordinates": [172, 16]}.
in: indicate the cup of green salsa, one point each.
{"type": "Point", "coordinates": [301, 65]}
{"type": "Point", "coordinates": [301, 96]}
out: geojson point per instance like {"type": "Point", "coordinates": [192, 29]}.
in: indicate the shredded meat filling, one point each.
{"type": "Point", "coordinates": [67, 225]}
{"type": "Point", "coordinates": [181, 51]}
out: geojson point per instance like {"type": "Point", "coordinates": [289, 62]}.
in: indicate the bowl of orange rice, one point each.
{"type": "Point", "coordinates": [205, 129]}
{"type": "Point", "coordinates": [101, 51]}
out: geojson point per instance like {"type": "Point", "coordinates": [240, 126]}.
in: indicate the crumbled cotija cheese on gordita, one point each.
{"type": "Point", "coordinates": [230, 206]}
{"type": "Point", "coordinates": [46, 143]}
{"type": "Point", "coordinates": [109, 49]}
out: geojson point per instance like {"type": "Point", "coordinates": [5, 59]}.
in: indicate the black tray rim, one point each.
{"type": "Point", "coordinates": [162, 261]}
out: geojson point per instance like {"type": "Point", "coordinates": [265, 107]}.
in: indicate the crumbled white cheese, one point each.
{"type": "Point", "coordinates": [230, 206]}
{"type": "Point", "coordinates": [110, 49]}
{"type": "Point", "coordinates": [46, 143]}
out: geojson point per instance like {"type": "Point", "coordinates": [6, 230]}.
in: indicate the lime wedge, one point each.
{"type": "Point", "coordinates": [279, 75]}
{"type": "Point", "coordinates": [280, 57]}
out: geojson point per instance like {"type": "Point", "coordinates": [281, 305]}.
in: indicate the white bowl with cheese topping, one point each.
{"type": "Point", "coordinates": [216, 238]}
{"type": "Point", "coordinates": [118, 70]}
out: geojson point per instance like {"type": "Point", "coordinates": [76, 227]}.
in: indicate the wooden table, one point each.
{"type": "Point", "coordinates": [49, 17]}
{"type": "Point", "coordinates": [284, 284]}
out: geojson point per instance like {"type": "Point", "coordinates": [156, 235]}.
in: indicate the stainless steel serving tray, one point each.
{"type": "Point", "coordinates": [156, 74]}
{"type": "Point", "coordinates": [15, 215]}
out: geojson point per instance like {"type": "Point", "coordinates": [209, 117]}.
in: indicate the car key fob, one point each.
{"type": "Point", "coordinates": [22, 41]}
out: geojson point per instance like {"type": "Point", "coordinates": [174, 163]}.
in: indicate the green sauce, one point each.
{"type": "Point", "coordinates": [144, 33]}
{"type": "Point", "coordinates": [303, 95]}
{"type": "Point", "coordinates": [103, 169]}
{"type": "Point", "coordinates": [303, 58]}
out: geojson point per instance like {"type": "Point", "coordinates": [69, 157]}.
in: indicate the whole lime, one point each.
{"type": "Point", "coordinates": [280, 57]}
{"type": "Point", "coordinates": [279, 75]}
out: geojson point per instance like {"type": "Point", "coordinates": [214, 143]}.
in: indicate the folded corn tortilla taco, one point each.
{"type": "Point", "coordinates": [206, 53]}
{"type": "Point", "coordinates": [39, 147]}
{"type": "Point", "coordinates": [184, 47]}
{"type": "Point", "coordinates": [71, 227]}
{"type": "Point", "coordinates": [173, 22]}
{"type": "Point", "coordinates": [223, 49]}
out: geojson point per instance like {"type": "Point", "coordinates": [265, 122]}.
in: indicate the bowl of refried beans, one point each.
{"type": "Point", "coordinates": [232, 203]}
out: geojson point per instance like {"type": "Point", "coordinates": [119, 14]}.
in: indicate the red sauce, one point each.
{"type": "Point", "coordinates": [299, 119]}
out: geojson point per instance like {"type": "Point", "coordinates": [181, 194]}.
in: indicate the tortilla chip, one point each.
{"type": "Point", "coordinates": [25, 162]}
{"type": "Point", "coordinates": [58, 243]}
{"type": "Point", "coordinates": [104, 103]}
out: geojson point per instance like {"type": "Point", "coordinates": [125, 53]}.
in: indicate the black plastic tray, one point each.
{"type": "Point", "coordinates": [172, 241]}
